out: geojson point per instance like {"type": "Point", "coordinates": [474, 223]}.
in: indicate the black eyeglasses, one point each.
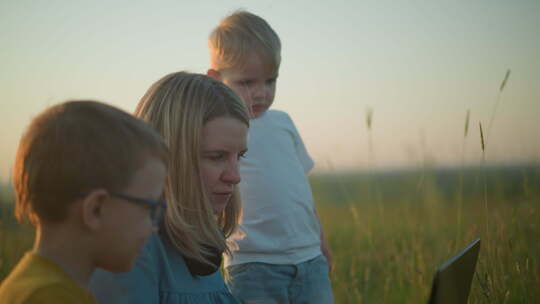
{"type": "Point", "coordinates": [157, 207]}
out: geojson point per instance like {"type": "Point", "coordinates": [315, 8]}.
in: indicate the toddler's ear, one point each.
{"type": "Point", "coordinates": [213, 73]}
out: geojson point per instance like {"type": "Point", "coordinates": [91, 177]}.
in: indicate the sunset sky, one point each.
{"type": "Point", "coordinates": [419, 65]}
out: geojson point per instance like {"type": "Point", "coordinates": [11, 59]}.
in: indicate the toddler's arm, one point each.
{"type": "Point", "coordinates": [325, 248]}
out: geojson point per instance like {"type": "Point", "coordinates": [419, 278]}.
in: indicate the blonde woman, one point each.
{"type": "Point", "coordinates": [205, 125]}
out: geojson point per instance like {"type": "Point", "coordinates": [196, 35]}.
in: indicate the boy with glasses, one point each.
{"type": "Point", "coordinates": [89, 177]}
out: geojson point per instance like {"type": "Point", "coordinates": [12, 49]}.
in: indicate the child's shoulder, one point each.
{"type": "Point", "coordinates": [276, 119]}
{"type": "Point", "coordinates": [59, 292]}
{"type": "Point", "coordinates": [278, 115]}
{"type": "Point", "coordinates": [35, 279]}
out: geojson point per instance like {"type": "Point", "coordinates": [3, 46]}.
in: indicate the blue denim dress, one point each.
{"type": "Point", "coordinates": [160, 276]}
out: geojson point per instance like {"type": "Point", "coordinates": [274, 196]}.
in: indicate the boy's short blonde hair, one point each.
{"type": "Point", "coordinates": [240, 34]}
{"type": "Point", "coordinates": [73, 148]}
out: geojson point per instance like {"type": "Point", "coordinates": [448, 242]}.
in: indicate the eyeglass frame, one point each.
{"type": "Point", "coordinates": [153, 204]}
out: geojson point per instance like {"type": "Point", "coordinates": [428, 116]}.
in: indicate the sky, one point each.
{"type": "Point", "coordinates": [418, 65]}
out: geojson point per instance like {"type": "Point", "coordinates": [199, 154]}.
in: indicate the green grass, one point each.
{"type": "Point", "coordinates": [389, 232]}
{"type": "Point", "coordinates": [388, 242]}
{"type": "Point", "coordinates": [15, 239]}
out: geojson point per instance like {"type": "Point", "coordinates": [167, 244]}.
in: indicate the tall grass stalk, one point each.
{"type": "Point", "coordinates": [484, 139]}
{"type": "Point", "coordinates": [485, 281]}
{"type": "Point", "coordinates": [482, 142]}
{"type": "Point", "coordinates": [491, 252]}
{"type": "Point", "coordinates": [371, 164]}
{"type": "Point", "coordinates": [496, 105]}
{"type": "Point", "coordinates": [460, 198]}
{"type": "Point", "coordinates": [369, 121]}
{"type": "Point", "coordinates": [373, 189]}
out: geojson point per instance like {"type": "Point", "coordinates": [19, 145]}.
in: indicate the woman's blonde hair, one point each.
{"type": "Point", "coordinates": [178, 106]}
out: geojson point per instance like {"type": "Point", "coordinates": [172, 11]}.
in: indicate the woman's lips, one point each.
{"type": "Point", "coordinates": [221, 200]}
{"type": "Point", "coordinates": [223, 194]}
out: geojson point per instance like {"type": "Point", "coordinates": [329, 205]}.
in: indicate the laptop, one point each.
{"type": "Point", "coordinates": [452, 281]}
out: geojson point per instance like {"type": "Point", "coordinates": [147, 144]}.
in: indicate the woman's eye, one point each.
{"type": "Point", "coordinates": [242, 154]}
{"type": "Point", "coordinates": [271, 81]}
{"type": "Point", "coordinates": [215, 156]}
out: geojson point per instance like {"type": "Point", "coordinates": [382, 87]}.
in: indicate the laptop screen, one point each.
{"type": "Point", "coordinates": [453, 279]}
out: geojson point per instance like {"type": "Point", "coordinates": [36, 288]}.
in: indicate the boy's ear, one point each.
{"type": "Point", "coordinates": [214, 73]}
{"type": "Point", "coordinates": [93, 208]}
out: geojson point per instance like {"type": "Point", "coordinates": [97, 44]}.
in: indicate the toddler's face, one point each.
{"type": "Point", "coordinates": [254, 82]}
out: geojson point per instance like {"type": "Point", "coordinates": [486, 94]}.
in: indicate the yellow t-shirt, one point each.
{"type": "Point", "coordinates": [37, 280]}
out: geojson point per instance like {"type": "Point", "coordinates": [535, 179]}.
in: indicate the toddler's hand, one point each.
{"type": "Point", "coordinates": [327, 253]}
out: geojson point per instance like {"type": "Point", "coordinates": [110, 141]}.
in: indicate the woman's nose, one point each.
{"type": "Point", "coordinates": [232, 173]}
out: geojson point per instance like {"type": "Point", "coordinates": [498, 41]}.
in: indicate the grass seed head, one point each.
{"type": "Point", "coordinates": [482, 137]}
{"type": "Point", "coordinates": [369, 117]}
{"type": "Point", "coordinates": [503, 84]}
{"type": "Point", "coordinates": [467, 123]}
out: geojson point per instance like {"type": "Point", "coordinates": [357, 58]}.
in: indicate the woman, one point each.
{"type": "Point", "coordinates": [204, 124]}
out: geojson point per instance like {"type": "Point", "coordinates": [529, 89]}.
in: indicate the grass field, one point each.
{"type": "Point", "coordinates": [389, 232]}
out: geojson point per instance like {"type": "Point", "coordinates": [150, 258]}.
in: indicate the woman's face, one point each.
{"type": "Point", "coordinates": [223, 142]}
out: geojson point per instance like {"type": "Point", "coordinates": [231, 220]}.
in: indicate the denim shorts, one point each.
{"type": "Point", "coordinates": [307, 282]}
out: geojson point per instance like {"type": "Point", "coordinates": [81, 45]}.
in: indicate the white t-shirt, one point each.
{"type": "Point", "coordinates": [279, 224]}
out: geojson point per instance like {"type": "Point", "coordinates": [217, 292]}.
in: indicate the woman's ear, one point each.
{"type": "Point", "coordinates": [93, 208]}
{"type": "Point", "coordinates": [214, 74]}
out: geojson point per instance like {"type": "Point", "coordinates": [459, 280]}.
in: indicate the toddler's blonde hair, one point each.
{"type": "Point", "coordinates": [239, 35]}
